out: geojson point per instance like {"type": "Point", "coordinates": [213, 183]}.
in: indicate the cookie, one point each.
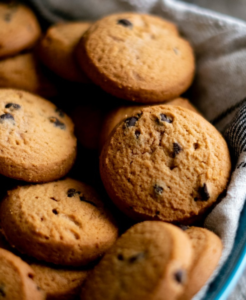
{"type": "Point", "coordinates": [59, 43]}
{"type": "Point", "coordinates": [63, 222]}
{"type": "Point", "coordinates": [160, 164]}
{"type": "Point", "coordinates": [121, 113]}
{"type": "Point", "coordinates": [148, 262]}
{"type": "Point", "coordinates": [58, 283]}
{"type": "Point", "coordinates": [17, 279]}
{"type": "Point", "coordinates": [36, 138]}
{"type": "Point", "coordinates": [137, 57]}
{"type": "Point", "coordinates": [24, 72]}
{"type": "Point", "coordinates": [19, 28]}
{"type": "Point", "coordinates": [207, 249]}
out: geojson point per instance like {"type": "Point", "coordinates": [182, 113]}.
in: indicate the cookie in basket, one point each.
{"type": "Point", "coordinates": [25, 72]}
{"type": "Point", "coordinates": [63, 222]}
{"type": "Point", "coordinates": [19, 28]}
{"type": "Point", "coordinates": [165, 162]}
{"type": "Point", "coordinates": [137, 57]}
{"type": "Point", "coordinates": [149, 261]}
{"type": "Point", "coordinates": [17, 279]}
{"type": "Point", "coordinates": [36, 138]}
{"type": "Point", "coordinates": [57, 47]}
{"type": "Point", "coordinates": [115, 116]}
{"type": "Point", "coordinates": [207, 248]}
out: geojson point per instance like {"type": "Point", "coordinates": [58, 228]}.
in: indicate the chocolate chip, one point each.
{"type": "Point", "coordinates": [183, 227]}
{"type": "Point", "coordinates": [6, 117]}
{"type": "Point", "coordinates": [71, 193]}
{"type": "Point", "coordinates": [130, 122]}
{"type": "Point", "coordinates": [57, 122]}
{"type": "Point", "coordinates": [180, 276]}
{"type": "Point", "coordinates": [82, 198]}
{"type": "Point", "coordinates": [2, 290]}
{"type": "Point", "coordinates": [165, 118]}
{"type": "Point", "coordinates": [204, 193]}
{"type": "Point", "coordinates": [125, 23]}
{"type": "Point", "coordinates": [137, 134]}
{"type": "Point", "coordinates": [176, 149]}
{"type": "Point", "coordinates": [158, 189]}
{"type": "Point", "coordinates": [13, 106]}
{"type": "Point", "coordinates": [55, 212]}
{"type": "Point", "coordinates": [60, 112]}
{"type": "Point", "coordinates": [120, 257]}
{"type": "Point", "coordinates": [132, 259]}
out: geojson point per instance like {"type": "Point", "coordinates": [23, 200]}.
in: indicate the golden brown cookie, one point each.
{"type": "Point", "coordinates": [148, 262]}
{"type": "Point", "coordinates": [63, 222]}
{"type": "Point", "coordinates": [17, 279]}
{"type": "Point", "coordinates": [207, 249]}
{"type": "Point", "coordinates": [57, 47]}
{"type": "Point", "coordinates": [36, 138]}
{"type": "Point", "coordinates": [58, 283]}
{"type": "Point", "coordinates": [121, 113]}
{"type": "Point", "coordinates": [24, 72]}
{"type": "Point", "coordinates": [137, 57]}
{"type": "Point", "coordinates": [19, 28]}
{"type": "Point", "coordinates": [160, 164]}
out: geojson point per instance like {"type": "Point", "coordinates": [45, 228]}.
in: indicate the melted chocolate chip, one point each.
{"type": "Point", "coordinates": [57, 122]}
{"type": "Point", "coordinates": [2, 290]}
{"type": "Point", "coordinates": [130, 122]}
{"type": "Point", "coordinates": [180, 276]}
{"type": "Point", "coordinates": [137, 134]}
{"type": "Point", "coordinates": [6, 117]}
{"type": "Point", "coordinates": [13, 106]}
{"type": "Point", "coordinates": [71, 193]}
{"type": "Point", "coordinates": [60, 112]}
{"type": "Point", "coordinates": [136, 257]}
{"type": "Point", "coordinates": [165, 118]}
{"type": "Point", "coordinates": [120, 257]}
{"type": "Point", "coordinates": [158, 189]}
{"type": "Point", "coordinates": [82, 198]}
{"type": "Point", "coordinates": [176, 149]}
{"type": "Point", "coordinates": [125, 23]}
{"type": "Point", "coordinates": [204, 193]}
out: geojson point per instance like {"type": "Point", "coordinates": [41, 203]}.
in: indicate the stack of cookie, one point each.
{"type": "Point", "coordinates": [162, 165]}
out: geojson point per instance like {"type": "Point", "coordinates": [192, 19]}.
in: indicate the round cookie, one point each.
{"type": "Point", "coordinates": [59, 42]}
{"type": "Point", "coordinates": [19, 28]}
{"type": "Point", "coordinates": [148, 262]}
{"type": "Point", "coordinates": [17, 279]}
{"type": "Point", "coordinates": [137, 57]}
{"type": "Point", "coordinates": [207, 250]}
{"type": "Point", "coordinates": [59, 284]}
{"type": "Point", "coordinates": [160, 164]}
{"type": "Point", "coordinates": [63, 222]}
{"type": "Point", "coordinates": [36, 138]}
{"type": "Point", "coordinates": [24, 72]}
{"type": "Point", "coordinates": [115, 116]}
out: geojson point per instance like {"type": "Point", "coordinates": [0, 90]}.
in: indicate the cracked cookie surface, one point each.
{"type": "Point", "coordinates": [63, 222]}
{"type": "Point", "coordinates": [167, 163]}
{"type": "Point", "coordinates": [137, 57]}
{"type": "Point", "coordinates": [37, 143]}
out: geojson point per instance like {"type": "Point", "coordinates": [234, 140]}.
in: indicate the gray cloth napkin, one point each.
{"type": "Point", "coordinates": [219, 89]}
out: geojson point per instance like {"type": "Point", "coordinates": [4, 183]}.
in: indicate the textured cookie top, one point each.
{"type": "Point", "coordinates": [16, 279]}
{"type": "Point", "coordinates": [63, 222]}
{"type": "Point", "coordinates": [148, 262]}
{"type": "Point", "coordinates": [137, 57]}
{"type": "Point", "coordinates": [19, 28]}
{"type": "Point", "coordinates": [36, 138]}
{"type": "Point", "coordinates": [59, 43]}
{"type": "Point", "coordinates": [207, 248]}
{"type": "Point", "coordinates": [58, 283]}
{"type": "Point", "coordinates": [165, 163]}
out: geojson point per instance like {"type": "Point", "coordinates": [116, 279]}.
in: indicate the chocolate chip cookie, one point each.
{"type": "Point", "coordinates": [63, 222]}
{"type": "Point", "coordinates": [19, 28]}
{"type": "Point", "coordinates": [36, 138]}
{"type": "Point", "coordinates": [137, 57]}
{"type": "Point", "coordinates": [148, 262]}
{"type": "Point", "coordinates": [165, 162]}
